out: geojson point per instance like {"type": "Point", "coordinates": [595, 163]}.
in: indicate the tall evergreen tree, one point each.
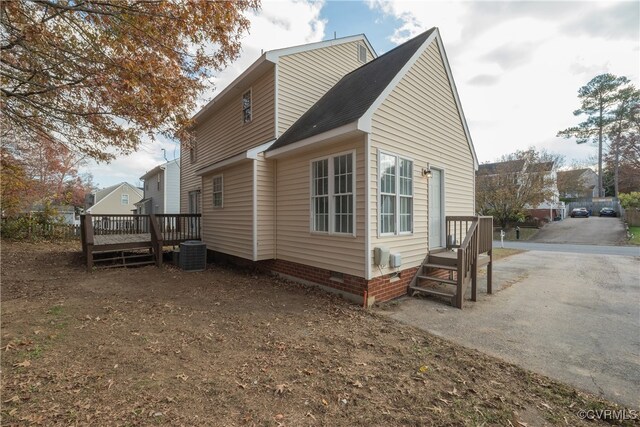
{"type": "Point", "coordinates": [598, 99]}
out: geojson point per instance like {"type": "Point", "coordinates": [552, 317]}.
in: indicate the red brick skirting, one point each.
{"type": "Point", "coordinates": [378, 289]}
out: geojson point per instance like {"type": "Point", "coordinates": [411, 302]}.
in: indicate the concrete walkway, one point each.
{"type": "Point", "coordinates": [572, 317]}
{"type": "Point", "coordinates": [574, 248]}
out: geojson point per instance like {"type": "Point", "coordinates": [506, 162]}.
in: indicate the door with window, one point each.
{"type": "Point", "coordinates": [194, 208]}
{"type": "Point", "coordinates": [436, 209]}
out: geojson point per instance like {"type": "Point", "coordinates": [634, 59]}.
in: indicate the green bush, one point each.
{"type": "Point", "coordinates": [630, 200]}
{"type": "Point", "coordinates": [45, 225]}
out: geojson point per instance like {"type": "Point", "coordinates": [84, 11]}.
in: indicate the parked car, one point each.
{"type": "Point", "coordinates": [580, 212]}
{"type": "Point", "coordinates": [608, 212]}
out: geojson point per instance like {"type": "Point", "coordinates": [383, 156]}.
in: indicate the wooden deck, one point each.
{"type": "Point", "coordinates": [109, 233]}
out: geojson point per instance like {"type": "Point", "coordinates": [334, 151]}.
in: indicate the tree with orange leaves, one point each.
{"type": "Point", "coordinates": [98, 76]}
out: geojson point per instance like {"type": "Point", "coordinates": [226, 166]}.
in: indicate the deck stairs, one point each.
{"type": "Point", "coordinates": [132, 257]}
{"type": "Point", "coordinates": [447, 273]}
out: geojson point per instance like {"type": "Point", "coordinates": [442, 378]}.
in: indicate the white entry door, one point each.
{"type": "Point", "coordinates": [436, 210]}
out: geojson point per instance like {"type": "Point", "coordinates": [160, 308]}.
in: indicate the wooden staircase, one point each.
{"type": "Point", "coordinates": [447, 273]}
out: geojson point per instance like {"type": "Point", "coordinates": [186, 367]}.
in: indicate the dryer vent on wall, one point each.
{"type": "Point", "coordinates": [193, 255]}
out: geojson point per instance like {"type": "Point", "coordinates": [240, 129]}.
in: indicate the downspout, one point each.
{"type": "Point", "coordinates": [367, 218]}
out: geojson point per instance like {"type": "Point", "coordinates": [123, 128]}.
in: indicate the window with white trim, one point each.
{"type": "Point", "coordinates": [124, 199]}
{"type": "Point", "coordinates": [396, 195]}
{"type": "Point", "coordinates": [217, 191]}
{"type": "Point", "coordinates": [246, 106]}
{"type": "Point", "coordinates": [362, 53]}
{"type": "Point", "coordinates": [332, 194]}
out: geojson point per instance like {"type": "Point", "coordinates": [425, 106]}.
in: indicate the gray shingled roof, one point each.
{"type": "Point", "coordinates": [352, 96]}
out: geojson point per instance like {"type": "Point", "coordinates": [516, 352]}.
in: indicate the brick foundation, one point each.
{"type": "Point", "coordinates": [378, 289]}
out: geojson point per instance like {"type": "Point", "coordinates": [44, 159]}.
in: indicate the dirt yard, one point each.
{"type": "Point", "coordinates": [228, 347]}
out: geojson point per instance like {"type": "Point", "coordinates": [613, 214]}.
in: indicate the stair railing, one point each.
{"type": "Point", "coordinates": [467, 258]}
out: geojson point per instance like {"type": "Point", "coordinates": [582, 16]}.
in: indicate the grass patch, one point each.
{"type": "Point", "coordinates": [499, 253]}
{"type": "Point", "coordinates": [526, 233]}
{"type": "Point", "coordinates": [635, 235]}
{"type": "Point", "coordinates": [56, 310]}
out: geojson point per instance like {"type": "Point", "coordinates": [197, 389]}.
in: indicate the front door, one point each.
{"type": "Point", "coordinates": [436, 209]}
{"type": "Point", "coordinates": [194, 202]}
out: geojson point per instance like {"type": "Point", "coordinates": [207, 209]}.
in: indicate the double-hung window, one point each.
{"type": "Point", "coordinates": [396, 195]}
{"type": "Point", "coordinates": [246, 107]}
{"type": "Point", "coordinates": [217, 191]}
{"type": "Point", "coordinates": [332, 194]}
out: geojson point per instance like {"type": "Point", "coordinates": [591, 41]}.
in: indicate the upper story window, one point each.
{"type": "Point", "coordinates": [333, 194]}
{"type": "Point", "coordinates": [124, 199]}
{"type": "Point", "coordinates": [192, 151]}
{"type": "Point", "coordinates": [246, 106]}
{"type": "Point", "coordinates": [217, 191]}
{"type": "Point", "coordinates": [362, 53]}
{"type": "Point", "coordinates": [396, 195]}
{"type": "Point", "coordinates": [158, 181]}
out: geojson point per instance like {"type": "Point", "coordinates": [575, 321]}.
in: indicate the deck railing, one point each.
{"type": "Point", "coordinates": [179, 226]}
{"type": "Point", "coordinates": [471, 236]}
{"type": "Point", "coordinates": [158, 230]}
{"type": "Point", "coordinates": [119, 224]}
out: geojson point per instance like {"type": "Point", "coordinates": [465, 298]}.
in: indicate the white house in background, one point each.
{"type": "Point", "coordinates": [117, 199]}
{"type": "Point", "coordinates": [578, 184]}
{"type": "Point", "coordinates": [161, 189]}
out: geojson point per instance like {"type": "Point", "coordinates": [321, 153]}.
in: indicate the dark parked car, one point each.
{"type": "Point", "coordinates": [608, 212]}
{"type": "Point", "coordinates": [580, 212]}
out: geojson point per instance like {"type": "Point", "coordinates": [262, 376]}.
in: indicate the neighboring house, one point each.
{"type": "Point", "coordinates": [117, 199]}
{"type": "Point", "coordinates": [578, 184]}
{"type": "Point", "coordinates": [318, 154]}
{"type": "Point", "coordinates": [64, 213]}
{"type": "Point", "coordinates": [548, 209]}
{"type": "Point", "coordinates": [161, 189]}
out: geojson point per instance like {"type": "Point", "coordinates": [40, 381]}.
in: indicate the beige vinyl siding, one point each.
{"type": "Point", "coordinates": [304, 77]}
{"type": "Point", "coordinates": [111, 204]}
{"type": "Point", "coordinates": [229, 229]}
{"type": "Point", "coordinates": [222, 134]}
{"type": "Point", "coordinates": [295, 242]}
{"type": "Point", "coordinates": [419, 120]}
{"type": "Point", "coordinates": [265, 196]}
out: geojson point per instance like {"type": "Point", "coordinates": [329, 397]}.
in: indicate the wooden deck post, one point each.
{"type": "Point", "coordinates": [490, 273]}
{"type": "Point", "coordinates": [460, 279]}
{"type": "Point", "coordinates": [88, 240]}
{"type": "Point", "coordinates": [156, 239]}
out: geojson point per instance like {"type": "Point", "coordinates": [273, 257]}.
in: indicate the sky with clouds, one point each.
{"type": "Point", "coordinates": [517, 65]}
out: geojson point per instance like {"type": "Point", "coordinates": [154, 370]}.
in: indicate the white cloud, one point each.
{"type": "Point", "coordinates": [279, 24]}
{"type": "Point", "coordinates": [518, 65]}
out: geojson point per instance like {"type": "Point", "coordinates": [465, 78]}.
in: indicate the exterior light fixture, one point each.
{"type": "Point", "coordinates": [427, 172]}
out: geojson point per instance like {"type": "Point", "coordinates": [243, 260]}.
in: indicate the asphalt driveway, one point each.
{"type": "Point", "coordinates": [573, 317]}
{"type": "Point", "coordinates": [594, 230]}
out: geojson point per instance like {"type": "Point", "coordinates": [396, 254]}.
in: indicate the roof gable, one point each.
{"type": "Point", "coordinates": [355, 98]}
{"type": "Point", "coordinates": [353, 95]}
{"type": "Point", "coordinates": [266, 60]}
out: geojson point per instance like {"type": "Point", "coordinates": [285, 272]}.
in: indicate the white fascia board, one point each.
{"type": "Point", "coordinates": [348, 128]}
{"type": "Point", "coordinates": [230, 86]}
{"type": "Point", "coordinates": [454, 90]}
{"type": "Point", "coordinates": [364, 123]}
{"type": "Point", "coordinates": [249, 154]}
{"type": "Point", "coordinates": [274, 55]}
{"type": "Point", "coordinates": [253, 152]}
{"type": "Point", "coordinates": [221, 164]}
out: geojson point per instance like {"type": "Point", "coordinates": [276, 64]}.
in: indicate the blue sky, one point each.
{"type": "Point", "coordinates": [517, 65]}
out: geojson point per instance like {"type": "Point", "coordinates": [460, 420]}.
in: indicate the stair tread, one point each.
{"type": "Point", "coordinates": [442, 266]}
{"type": "Point", "coordinates": [438, 279]}
{"type": "Point", "coordinates": [121, 257]}
{"type": "Point", "coordinates": [130, 264]}
{"type": "Point", "coordinates": [433, 291]}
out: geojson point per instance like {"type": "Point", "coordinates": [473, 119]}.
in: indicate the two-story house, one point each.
{"type": "Point", "coordinates": [318, 154]}
{"type": "Point", "coordinates": [117, 199]}
{"type": "Point", "coordinates": [161, 189]}
{"type": "Point", "coordinates": [578, 184]}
